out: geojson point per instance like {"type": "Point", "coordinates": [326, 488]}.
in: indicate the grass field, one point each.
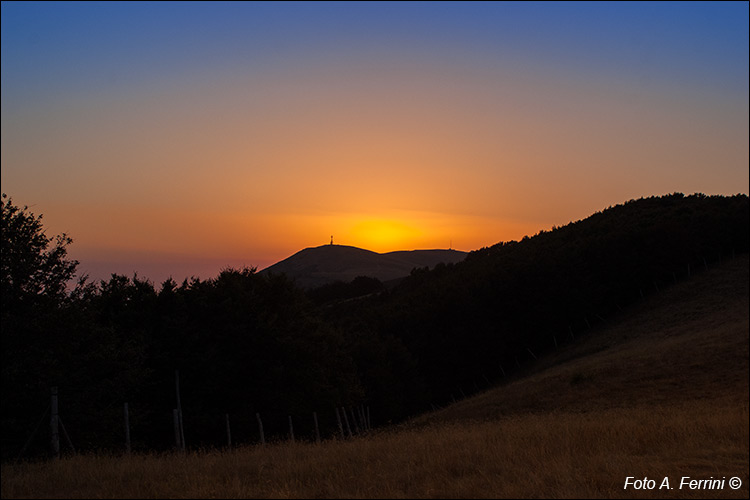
{"type": "Point", "coordinates": [660, 392]}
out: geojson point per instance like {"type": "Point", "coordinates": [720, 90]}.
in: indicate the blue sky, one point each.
{"type": "Point", "coordinates": [53, 47]}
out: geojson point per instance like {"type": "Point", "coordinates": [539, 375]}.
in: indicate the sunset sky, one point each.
{"type": "Point", "coordinates": [182, 138]}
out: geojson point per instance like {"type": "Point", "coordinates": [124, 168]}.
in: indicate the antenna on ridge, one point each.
{"type": "Point", "coordinates": [331, 239]}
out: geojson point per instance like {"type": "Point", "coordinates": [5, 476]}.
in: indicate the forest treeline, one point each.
{"type": "Point", "coordinates": [246, 343]}
{"type": "Point", "coordinates": [471, 324]}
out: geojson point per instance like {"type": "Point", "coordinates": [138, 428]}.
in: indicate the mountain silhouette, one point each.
{"type": "Point", "coordinates": [317, 266]}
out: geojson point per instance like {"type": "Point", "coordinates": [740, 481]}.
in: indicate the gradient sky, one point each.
{"type": "Point", "coordinates": [182, 138]}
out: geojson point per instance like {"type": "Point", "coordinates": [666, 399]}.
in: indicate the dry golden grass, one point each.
{"type": "Point", "coordinates": [689, 342]}
{"type": "Point", "coordinates": [662, 392]}
{"type": "Point", "coordinates": [570, 455]}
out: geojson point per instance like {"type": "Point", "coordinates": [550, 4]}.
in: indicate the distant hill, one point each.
{"type": "Point", "coordinates": [317, 266]}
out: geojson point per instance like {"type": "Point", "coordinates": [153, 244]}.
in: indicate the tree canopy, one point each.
{"type": "Point", "coordinates": [31, 265]}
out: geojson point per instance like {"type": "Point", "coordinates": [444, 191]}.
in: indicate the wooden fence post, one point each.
{"type": "Point", "coordinates": [229, 432]}
{"type": "Point", "coordinates": [317, 431]}
{"type": "Point", "coordinates": [260, 428]}
{"type": "Point", "coordinates": [53, 423]}
{"type": "Point", "coordinates": [361, 412]}
{"type": "Point", "coordinates": [338, 419]}
{"type": "Point", "coordinates": [346, 420]}
{"type": "Point", "coordinates": [354, 420]}
{"type": "Point", "coordinates": [176, 423]}
{"type": "Point", "coordinates": [179, 409]}
{"type": "Point", "coordinates": [127, 429]}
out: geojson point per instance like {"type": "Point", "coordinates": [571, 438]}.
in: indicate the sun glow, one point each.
{"type": "Point", "coordinates": [383, 234]}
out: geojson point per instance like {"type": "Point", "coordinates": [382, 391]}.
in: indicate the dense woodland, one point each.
{"type": "Point", "coordinates": [246, 343]}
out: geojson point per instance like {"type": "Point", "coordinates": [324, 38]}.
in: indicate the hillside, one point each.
{"type": "Point", "coordinates": [485, 318]}
{"type": "Point", "coordinates": [317, 266]}
{"type": "Point", "coordinates": [687, 343]}
{"type": "Point", "coordinates": [661, 392]}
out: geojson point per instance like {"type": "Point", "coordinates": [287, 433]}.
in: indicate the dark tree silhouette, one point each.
{"type": "Point", "coordinates": [31, 268]}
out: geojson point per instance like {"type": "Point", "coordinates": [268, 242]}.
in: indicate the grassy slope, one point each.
{"type": "Point", "coordinates": [688, 342]}
{"type": "Point", "coordinates": [661, 391]}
